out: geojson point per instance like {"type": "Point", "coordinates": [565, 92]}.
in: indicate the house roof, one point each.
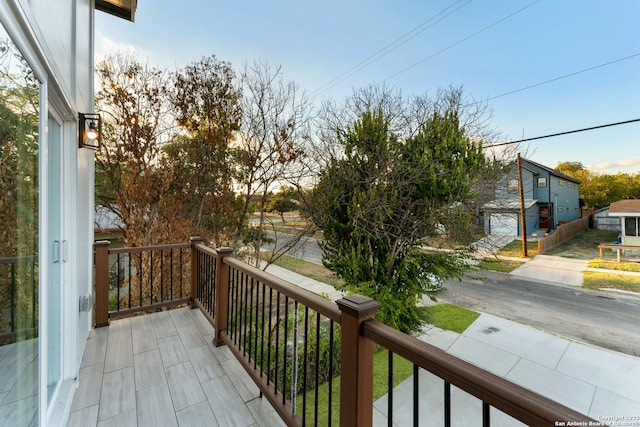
{"type": "Point", "coordinates": [125, 9]}
{"type": "Point", "coordinates": [627, 207]}
{"type": "Point", "coordinates": [507, 205]}
{"type": "Point", "coordinates": [552, 171]}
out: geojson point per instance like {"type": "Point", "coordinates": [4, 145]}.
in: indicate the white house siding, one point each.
{"type": "Point", "coordinates": [56, 38]}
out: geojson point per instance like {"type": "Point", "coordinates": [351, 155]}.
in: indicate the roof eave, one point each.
{"type": "Point", "coordinates": [125, 9]}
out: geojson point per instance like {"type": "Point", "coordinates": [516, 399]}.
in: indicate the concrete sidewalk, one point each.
{"type": "Point", "coordinates": [589, 379]}
{"type": "Point", "coordinates": [553, 269]}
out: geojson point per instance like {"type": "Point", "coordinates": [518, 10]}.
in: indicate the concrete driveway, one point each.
{"type": "Point", "coordinates": [553, 269]}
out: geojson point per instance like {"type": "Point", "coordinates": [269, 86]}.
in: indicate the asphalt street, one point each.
{"type": "Point", "coordinates": [306, 249]}
{"type": "Point", "coordinates": [607, 320]}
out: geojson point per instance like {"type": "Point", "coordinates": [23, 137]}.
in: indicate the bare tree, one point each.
{"type": "Point", "coordinates": [270, 144]}
{"type": "Point", "coordinates": [130, 180]}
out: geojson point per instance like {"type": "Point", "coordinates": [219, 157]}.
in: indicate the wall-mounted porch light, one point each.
{"type": "Point", "coordinates": [89, 131]}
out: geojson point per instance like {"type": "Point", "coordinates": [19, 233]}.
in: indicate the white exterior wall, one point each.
{"type": "Point", "coordinates": [56, 38]}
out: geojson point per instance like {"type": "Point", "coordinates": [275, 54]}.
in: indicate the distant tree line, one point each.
{"type": "Point", "coordinates": [599, 190]}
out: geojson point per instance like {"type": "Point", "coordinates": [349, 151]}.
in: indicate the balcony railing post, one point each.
{"type": "Point", "coordinates": [102, 283]}
{"type": "Point", "coordinates": [221, 303]}
{"type": "Point", "coordinates": [195, 268]}
{"type": "Point", "coordinates": [356, 360]}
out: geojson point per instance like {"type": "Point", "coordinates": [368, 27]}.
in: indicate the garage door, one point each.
{"type": "Point", "coordinates": [504, 224]}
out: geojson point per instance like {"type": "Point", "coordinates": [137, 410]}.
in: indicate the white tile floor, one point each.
{"type": "Point", "coordinates": [161, 369]}
{"type": "Point", "coordinates": [18, 385]}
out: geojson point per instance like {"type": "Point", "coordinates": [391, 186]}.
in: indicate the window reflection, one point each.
{"type": "Point", "coordinates": [19, 115]}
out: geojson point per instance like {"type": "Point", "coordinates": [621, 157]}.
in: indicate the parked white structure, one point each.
{"type": "Point", "coordinates": [629, 213]}
{"type": "Point", "coordinates": [46, 223]}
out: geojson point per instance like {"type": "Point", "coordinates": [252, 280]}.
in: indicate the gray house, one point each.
{"type": "Point", "coordinates": [551, 198]}
{"type": "Point", "coordinates": [629, 213]}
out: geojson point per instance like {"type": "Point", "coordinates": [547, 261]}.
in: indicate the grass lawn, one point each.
{"type": "Point", "coordinates": [402, 369]}
{"type": "Point", "coordinates": [501, 265]}
{"type": "Point", "coordinates": [309, 269]}
{"type": "Point", "coordinates": [584, 245]}
{"type": "Point", "coordinates": [594, 280]}
{"type": "Point", "coordinates": [615, 265]}
{"type": "Point", "coordinates": [448, 316]}
{"type": "Point", "coordinates": [515, 249]}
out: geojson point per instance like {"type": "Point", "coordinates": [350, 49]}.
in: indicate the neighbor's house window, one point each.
{"type": "Point", "coordinates": [512, 186]}
{"type": "Point", "coordinates": [631, 226]}
{"type": "Point", "coordinates": [542, 181]}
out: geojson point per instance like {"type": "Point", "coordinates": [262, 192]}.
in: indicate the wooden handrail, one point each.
{"type": "Point", "coordinates": [17, 259]}
{"type": "Point", "coordinates": [303, 296]}
{"type": "Point", "coordinates": [149, 248]}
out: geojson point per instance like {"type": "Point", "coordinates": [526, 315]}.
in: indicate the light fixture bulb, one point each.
{"type": "Point", "coordinates": [92, 133]}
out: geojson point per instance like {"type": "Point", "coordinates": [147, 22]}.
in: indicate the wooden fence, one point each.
{"type": "Point", "coordinates": [563, 233]}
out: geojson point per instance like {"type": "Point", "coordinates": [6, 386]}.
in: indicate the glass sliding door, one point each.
{"type": "Point", "coordinates": [57, 257]}
{"type": "Point", "coordinates": [19, 230]}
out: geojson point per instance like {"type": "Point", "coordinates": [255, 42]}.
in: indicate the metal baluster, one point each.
{"type": "Point", "coordinates": [390, 389]}
{"type": "Point", "coordinates": [447, 404]}
{"type": "Point", "coordinates": [269, 332]}
{"type": "Point", "coordinates": [275, 377]}
{"type": "Point", "coordinates": [330, 397]}
{"type": "Point", "coordinates": [486, 422]}
{"type": "Point", "coordinates": [284, 353]}
{"type": "Point", "coordinates": [262, 331]}
{"type": "Point", "coordinates": [317, 379]}
{"type": "Point", "coordinates": [416, 407]}
{"type": "Point", "coordinates": [118, 282]}
{"type": "Point", "coordinates": [130, 279]}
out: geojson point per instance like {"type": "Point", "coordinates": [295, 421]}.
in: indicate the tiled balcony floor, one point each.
{"type": "Point", "coordinates": [161, 369]}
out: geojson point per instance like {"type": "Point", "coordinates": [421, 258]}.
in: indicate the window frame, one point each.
{"type": "Point", "coordinates": [542, 182]}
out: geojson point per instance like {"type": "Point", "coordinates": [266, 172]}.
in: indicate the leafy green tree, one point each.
{"type": "Point", "coordinates": [206, 100]}
{"type": "Point", "coordinates": [600, 190]}
{"type": "Point", "coordinates": [385, 195]}
{"type": "Point", "coordinates": [19, 193]}
{"type": "Point", "coordinates": [285, 200]}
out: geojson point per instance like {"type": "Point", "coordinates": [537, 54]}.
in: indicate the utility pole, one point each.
{"type": "Point", "coordinates": [523, 213]}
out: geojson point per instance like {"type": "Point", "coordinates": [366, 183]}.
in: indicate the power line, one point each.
{"type": "Point", "coordinates": [380, 53]}
{"type": "Point", "coordinates": [563, 133]}
{"type": "Point", "coordinates": [562, 77]}
{"type": "Point", "coordinates": [461, 40]}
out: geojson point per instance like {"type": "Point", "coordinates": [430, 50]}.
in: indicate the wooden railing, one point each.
{"type": "Point", "coordinates": [18, 277]}
{"type": "Point", "coordinates": [304, 351]}
{"type": "Point", "coordinates": [563, 233]}
{"type": "Point", "coordinates": [146, 278]}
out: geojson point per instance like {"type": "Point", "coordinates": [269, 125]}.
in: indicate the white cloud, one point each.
{"type": "Point", "coordinates": [626, 163]}
{"type": "Point", "coordinates": [106, 46]}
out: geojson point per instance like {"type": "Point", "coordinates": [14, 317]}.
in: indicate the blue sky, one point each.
{"type": "Point", "coordinates": [490, 47]}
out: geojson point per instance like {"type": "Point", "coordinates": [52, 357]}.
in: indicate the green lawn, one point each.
{"type": "Point", "coordinates": [615, 265]}
{"type": "Point", "coordinates": [501, 265]}
{"type": "Point", "coordinates": [514, 249]}
{"type": "Point", "coordinates": [402, 369]}
{"type": "Point", "coordinates": [309, 269]}
{"type": "Point", "coordinates": [584, 245]}
{"type": "Point", "coordinates": [595, 280]}
{"type": "Point", "coordinates": [448, 316]}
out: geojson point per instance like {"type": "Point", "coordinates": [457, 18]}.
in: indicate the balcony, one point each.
{"type": "Point", "coordinates": [161, 369]}
{"type": "Point", "coordinates": [253, 349]}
